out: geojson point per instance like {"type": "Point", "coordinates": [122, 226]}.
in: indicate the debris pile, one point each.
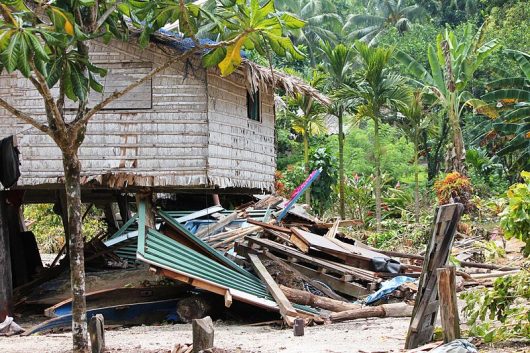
{"type": "Point", "coordinates": [270, 254]}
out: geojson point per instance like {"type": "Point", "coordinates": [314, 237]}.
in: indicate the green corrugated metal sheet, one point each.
{"type": "Point", "coordinates": [202, 244]}
{"type": "Point", "coordinates": [164, 251]}
{"type": "Point", "coordinates": [159, 250]}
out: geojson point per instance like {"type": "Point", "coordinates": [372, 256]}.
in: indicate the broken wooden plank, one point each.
{"type": "Point", "coordinates": [331, 266]}
{"type": "Point", "coordinates": [315, 241]}
{"type": "Point", "coordinates": [287, 311]}
{"type": "Point", "coordinates": [437, 253]}
{"type": "Point", "coordinates": [332, 232]}
{"type": "Point", "coordinates": [236, 234]}
{"type": "Point", "coordinates": [269, 226]}
{"type": "Point", "coordinates": [448, 303]}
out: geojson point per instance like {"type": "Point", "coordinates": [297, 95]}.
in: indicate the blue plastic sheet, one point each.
{"type": "Point", "coordinates": [388, 287]}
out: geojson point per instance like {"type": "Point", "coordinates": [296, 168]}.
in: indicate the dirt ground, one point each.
{"type": "Point", "coordinates": [360, 336]}
{"type": "Point", "coordinates": [372, 335]}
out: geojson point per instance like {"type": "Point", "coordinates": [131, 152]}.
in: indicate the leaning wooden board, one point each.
{"type": "Point", "coordinates": [438, 250]}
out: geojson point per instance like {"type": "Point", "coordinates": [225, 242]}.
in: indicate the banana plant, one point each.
{"type": "Point", "coordinates": [452, 65]}
{"type": "Point", "coordinates": [512, 97]}
{"type": "Point", "coordinates": [47, 42]}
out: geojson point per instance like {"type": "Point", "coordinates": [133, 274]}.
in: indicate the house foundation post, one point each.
{"type": "Point", "coordinates": [6, 282]}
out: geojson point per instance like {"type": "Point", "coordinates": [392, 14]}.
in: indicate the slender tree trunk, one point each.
{"type": "Point", "coordinates": [72, 172]}
{"type": "Point", "coordinates": [306, 166]}
{"type": "Point", "coordinates": [377, 155]}
{"type": "Point", "coordinates": [342, 209]}
{"type": "Point", "coordinates": [416, 182]}
{"type": "Point", "coordinates": [456, 160]}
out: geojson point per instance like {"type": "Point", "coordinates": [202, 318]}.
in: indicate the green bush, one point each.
{"type": "Point", "coordinates": [515, 219]}
{"type": "Point", "coordinates": [501, 312]}
{"type": "Point", "coordinates": [48, 227]}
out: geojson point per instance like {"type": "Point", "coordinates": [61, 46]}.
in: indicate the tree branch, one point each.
{"type": "Point", "coordinates": [106, 15]}
{"type": "Point", "coordinates": [24, 117]}
{"type": "Point", "coordinates": [48, 98]}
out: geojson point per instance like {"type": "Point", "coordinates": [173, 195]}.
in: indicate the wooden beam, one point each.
{"type": "Point", "coordinates": [448, 303]}
{"type": "Point", "coordinates": [269, 226]}
{"type": "Point", "coordinates": [6, 283]}
{"type": "Point", "coordinates": [287, 311]}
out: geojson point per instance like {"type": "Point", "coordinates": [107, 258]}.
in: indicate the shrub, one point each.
{"type": "Point", "coordinates": [501, 312]}
{"type": "Point", "coordinates": [515, 219]}
{"type": "Point", "coordinates": [455, 186]}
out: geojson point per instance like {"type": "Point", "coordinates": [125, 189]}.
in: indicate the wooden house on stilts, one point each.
{"type": "Point", "coordinates": [187, 128]}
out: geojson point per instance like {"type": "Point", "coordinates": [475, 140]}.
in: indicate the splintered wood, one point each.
{"type": "Point", "coordinates": [427, 302]}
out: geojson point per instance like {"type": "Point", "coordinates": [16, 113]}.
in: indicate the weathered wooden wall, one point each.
{"type": "Point", "coordinates": [241, 151]}
{"type": "Point", "coordinates": [161, 134]}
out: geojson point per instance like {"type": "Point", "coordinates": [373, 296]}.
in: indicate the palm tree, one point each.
{"type": "Point", "coordinates": [389, 13]}
{"type": "Point", "coordinates": [320, 19]}
{"type": "Point", "coordinates": [308, 120]}
{"type": "Point", "coordinates": [413, 121]}
{"type": "Point", "coordinates": [375, 92]}
{"type": "Point", "coordinates": [337, 65]}
{"type": "Point", "coordinates": [452, 64]}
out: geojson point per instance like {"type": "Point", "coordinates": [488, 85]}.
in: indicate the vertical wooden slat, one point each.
{"type": "Point", "coordinates": [6, 284]}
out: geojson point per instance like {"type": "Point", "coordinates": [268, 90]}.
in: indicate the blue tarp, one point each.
{"type": "Point", "coordinates": [387, 287]}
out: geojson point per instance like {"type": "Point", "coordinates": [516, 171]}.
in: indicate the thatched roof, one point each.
{"type": "Point", "coordinates": [255, 74]}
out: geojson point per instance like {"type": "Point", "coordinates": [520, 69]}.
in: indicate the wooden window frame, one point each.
{"type": "Point", "coordinates": [250, 102]}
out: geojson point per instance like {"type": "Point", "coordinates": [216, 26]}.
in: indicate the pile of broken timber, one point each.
{"type": "Point", "coordinates": [342, 267]}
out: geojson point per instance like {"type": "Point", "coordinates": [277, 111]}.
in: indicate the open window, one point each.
{"type": "Point", "coordinates": [253, 106]}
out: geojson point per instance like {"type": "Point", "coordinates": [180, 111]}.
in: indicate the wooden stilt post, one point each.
{"type": "Point", "coordinates": [147, 197]}
{"type": "Point", "coordinates": [448, 303]}
{"type": "Point", "coordinates": [6, 284]}
{"type": "Point", "coordinates": [110, 218]}
{"type": "Point", "coordinates": [123, 205]}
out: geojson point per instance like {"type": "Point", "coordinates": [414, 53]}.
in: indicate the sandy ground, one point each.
{"type": "Point", "coordinates": [385, 335]}
{"type": "Point", "coordinates": [371, 335]}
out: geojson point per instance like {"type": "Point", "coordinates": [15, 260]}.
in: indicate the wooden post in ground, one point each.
{"type": "Point", "coordinates": [298, 328]}
{"type": "Point", "coordinates": [6, 284]}
{"type": "Point", "coordinates": [96, 329]}
{"type": "Point", "coordinates": [203, 334]}
{"type": "Point", "coordinates": [448, 303]}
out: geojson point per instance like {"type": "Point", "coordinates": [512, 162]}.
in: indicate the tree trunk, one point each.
{"type": "Point", "coordinates": [306, 166]}
{"type": "Point", "coordinates": [456, 162]}
{"type": "Point", "coordinates": [305, 298]}
{"type": "Point", "coordinates": [342, 210]}
{"type": "Point", "coordinates": [72, 172]}
{"type": "Point", "coordinates": [377, 155]}
{"type": "Point", "coordinates": [384, 310]}
{"type": "Point", "coordinates": [416, 182]}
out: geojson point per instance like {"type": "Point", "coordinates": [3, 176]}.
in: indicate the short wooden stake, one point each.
{"type": "Point", "coordinates": [96, 329]}
{"type": "Point", "coordinates": [202, 334]}
{"type": "Point", "coordinates": [448, 303]}
{"type": "Point", "coordinates": [298, 327]}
